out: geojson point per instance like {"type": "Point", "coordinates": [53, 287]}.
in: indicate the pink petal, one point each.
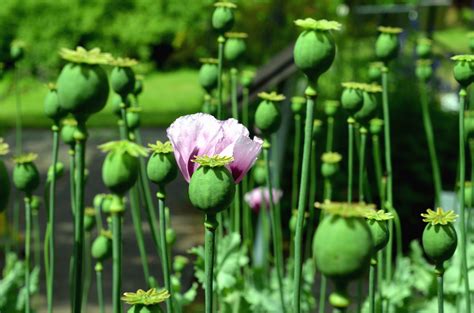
{"type": "Point", "coordinates": [245, 154]}
{"type": "Point", "coordinates": [232, 131]}
{"type": "Point", "coordinates": [191, 135]}
{"type": "Point", "coordinates": [254, 198]}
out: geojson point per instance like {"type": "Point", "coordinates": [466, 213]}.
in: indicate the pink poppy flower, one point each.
{"type": "Point", "coordinates": [255, 197]}
{"type": "Point", "coordinates": [202, 134]}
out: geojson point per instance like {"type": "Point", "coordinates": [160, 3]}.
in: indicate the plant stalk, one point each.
{"type": "Point", "coordinates": [209, 245]}
{"type": "Point", "coordinates": [296, 162]}
{"type": "Point", "coordinates": [116, 261]}
{"type": "Point", "coordinates": [220, 104]}
{"type": "Point", "coordinates": [164, 247]}
{"type": "Point", "coordinates": [100, 289]}
{"type": "Point", "coordinates": [350, 164]}
{"type": "Point", "coordinates": [27, 252]}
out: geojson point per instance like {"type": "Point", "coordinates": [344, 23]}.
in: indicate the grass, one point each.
{"type": "Point", "coordinates": [165, 97]}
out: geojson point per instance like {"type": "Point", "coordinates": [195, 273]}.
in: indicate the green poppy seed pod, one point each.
{"type": "Point", "coordinates": [439, 242]}
{"type": "Point", "coordinates": [102, 248]}
{"type": "Point", "coordinates": [52, 108]}
{"type": "Point", "coordinates": [161, 168]}
{"type": "Point", "coordinates": [268, 117]}
{"type": "Point", "coordinates": [380, 234]}
{"type": "Point", "coordinates": [140, 308]}
{"type": "Point", "coordinates": [170, 237]}
{"type": "Point", "coordinates": [376, 126]}
{"type": "Point", "coordinates": [424, 71]}
{"type": "Point", "coordinates": [259, 174]}
{"type": "Point", "coordinates": [464, 72]}
{"type": "Point", "coordinates": [352, 98]}
{"type": "Point", "coordinates": [298, 105]}
{"type": "Point", "coordinates": [223, 17]}
{"type": "Point", "coordinates": [119, 172]}
{"type": "Point", "coordinates": [106, 204]}
{"type": "Point", "coordinates": [35, 204]}
{"type": "Point", "coordinates": [329, 169]}
{"type": "Point", "coordinates": [133, 119]}
{"type": "Point", "coordinates": [375, 72]}
{"type": "Point", "coordinates": [180, 263]}
{"type": "Point", "coordinates": [317, 127]}
{"type": "Point", "coordinates": [330, 107]}
{"type": "Point", "coordinates": [369, 108]}
{"type": "Point", "coordinates": [122, 80]}
{"type": "Point", "coordinates": [98, 200]}
{"type": "Point", "coordinates": [424, 48]}
{"type": "Point", "coordinates": [26, 177]}
{"type": "Point", "coordinates": [89, 219]}
{"type": "Point", "coordinates": [67, 133]}
{"type": "Point", "coordinates": [343, 247]}
{"type": "Point", "coordinates": [211, 189]}
{"type": "Point", "coordinates": [387, 46]}
{"type": "Point", "coordinates": [4, 186]}
{"type": "Point", "coordinates": [58, 173]}
{"type": "Point", "coordinates": [235, 47]}
{"type": "Point", "coordinates": [247, 78]}
{"type": "Point", "coordinates": [82, 88]}
{"type": "Point", "coordinates": [17, 52]}
{"type": "Point", "coordinates": [209, 75]}
{"type": "Point", "coordinates": [314, 49]}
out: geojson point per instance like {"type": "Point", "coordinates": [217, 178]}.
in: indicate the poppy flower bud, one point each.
{"type": "Point", "coordinates": [268, 115]}
{"type": "Point", "coordinates": [161, 168]}
{"type": "Point", "coordinates": [122, 77]}
{"type": "Point", "coordinates": [223, 16]}
{"type": "Point", "coordinates": [352, 97]}
{"type": "Point", "coordinates": [424, 70]}
{"type": "Point", "coordinates": [120, 168]}
{"type": "Point", "coordinates": [235, 47]}
{"type": "Point", "coordinates": [439, 236]}
{"type": "Point", "coordinates": [67, 131]}
{"type": "Point", "coordinates": [330, 164]}
{"type": "Point", "coordinates": [377, 222]}
{"type": "Point", "coordinates": [424, 48]}
{"type": "Point", "coordinates": [209, 74]}
{"type": "Point", "coordinates": [82, 85]}
{"type": "Point", "coordinates": [343, 243]}
{"type": "Point", "coordinates": [247, 78]}
{"type": "Point", "coordinates": [375, 71]}
{"type": "Point", "coordinates": [259, 173]}
{"type": "Point", "coordinates": [369, 104]}
{"type": "Point", "coordinates": [35, 204]}
{"type": "Point", "coordinates": [102, 246]}
{"type": "Point", "coordinates": [107, 203]}
{"type": "Point", "coordinates": [52, 108]}
{"type": "Point", "coordinates": [89, 219]}
{"type": "Point", "coordinates": [387, 44]}
{"type": "Point", "coordinates": [330, 107]}
{"type": "Point", "coordinates": [133, 118]}
{"type": "Point", "coordinates": [4, 178]}
{"type": "Point", "coordinates": [376, 126]}
{"type": "Point", "coordinates": [464, 69]}
{"type": "Point", "coordinates": [58, 173]}
{"type": "Point", "coordinates": [25, 173]}
{"type": "Point", "coordinates": [17, 50]}
{"type": "Point", "coordinates": [317, 127]}
{"type": "Point", "coordinates": [212, 187]}
{"type": "Point", "coordinates": [315, 49]}
{"type": "Point", "coordinates": [298, 105]}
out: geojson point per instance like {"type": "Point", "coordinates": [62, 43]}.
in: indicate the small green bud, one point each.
{"type": "Point", "coordinates": [25, 174]}
{"type": "Point", "coordinates": [161, 167]}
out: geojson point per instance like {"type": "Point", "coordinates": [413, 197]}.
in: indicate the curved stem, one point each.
{"type": "Point", "coordinates": [100, 289]}
{"type": "Point", "coordinates": [164, 247]}
{"type": "Point", "coordinates": [51, 228]}
{"type": "Point", "coordinates": [79, 218]}
{"type": "Point", "coordinates": [209, 246]}
{"type": "Point", "coordinates": [27, 252]}
{"type": "Point", "coordinates": [276, 226]}
{"type": "Point", "coordinates": [136, 219]}
{"type": "Point", "coordinates": [462, 222]}
{"type": "Point", "coordinates": [220, 42]}
{"type": "Point", "coordinates": [312, 198]}
{"type": "Point", "coordinates": [431, 144]}
{"type": "Point", "coordinates": [308, 135]}
{"type": "Point", "coordinates": [350, 160]}
{"type": "Point", "coordinates": [296, 163]}
{"type": "Point", "coordinates": [116, 261]}
{"type": "Point", "coordinates": [372, 287]}
{"type": "Point", "coordinates": [363, 141]}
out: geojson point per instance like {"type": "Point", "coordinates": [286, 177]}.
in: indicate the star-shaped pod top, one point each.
{"type": "Point", "coordinates": [346, 209]}
{"type": "Point", "coordinates": [124, 146]}
{"type": "Point", "coordinates": [225, 4]}
{"type": "Point", "coordinates": [379, 215]}
{"type": "Point", "coordinates": [25, 158]}
{"type": "Point", "coordinates": [439, 217]}
{"type": "Point", "coordinates": [81, 55]}
{"type": "Point", "coordinates": [272, 96]}
{"type": "Point", "coordinates": [312, 24]}
{"type": "Point", "coordinates": [213, 161]}
{"type": "Point", "coordinates": [123, 62]}
{"type": "Point", "coordinates": [390, 30]}
{"type": "Point", "coordinates": [331, 157]}
{"type": "Point", "coordinates": [4, 147]}
{"type": "Point", "coordinates": [146, 298]}
{"type": "Point", "coordinates": [161, 147]}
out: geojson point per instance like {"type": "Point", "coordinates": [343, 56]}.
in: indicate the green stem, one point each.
{"type": "Point", "coordinates": [431, 144]}
{"type": "Point", "coordinates": [80, 136]}
{"type": "Point", "coordinates": [276, 225]}
{"type": "Point", "coordinates": [266, 236]}
{"type": "Point", "coordinates": [462, 222]}
{"type": "Point", "coordinates": [245, 106]}
{"type": "Point", "coordinates": [439, 277]}
{"type": "Point", "coordinates": [308, 135]}
{"type": "Point", "coordinates": [100, 289]}
{"type": "Point", "coordinates": [220, 104]}
{"type": "Point", "coordinates": [377, 163]}
{"type": "Point", "coordinates": [379, 273]}
{"type": "Point", "coordinates": [27, 251]}
{"type": "Point", "coordinates": [164, 247]}
{"type": "Point", "coordinates": [234, 85]}
{"type": "Point", "coordinates": [19, 122]}
{"type": "Point", "coordinates": [237, 209]}
{"type": "Point", "coordinates": [296, 163]}
{"type": "Point", "coordinates": [36, 239]}
{"type": "Point", "coordinates": [322, 294]}
{"type": "Point", "coordinates": [51, 228]}
{"type": "Point", "coordinates": [372, 288]}
{"type": "Point", "coordinates": [350, 126]}
{"type": "Point", "coordinates": [209, 246]}
{"type": "Point", "coordinates": [72, 180]}
{"type": "Point", "coordinates": [363, 141]}
{"type": "Point", "coordinates": [312, 199]}
{"type": "Point", "coordinates": [87, 270]}
{"type": "Point", "coordinates": [116, 261]}
{"type": "Point", "coordinates": [98, 217]}
{"type": "Point", "coordinates": [330, 134]}
{"type": "Point", "coordinates": [388, 163]}
{"type": "Point", "coordinates": [136, 218]}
